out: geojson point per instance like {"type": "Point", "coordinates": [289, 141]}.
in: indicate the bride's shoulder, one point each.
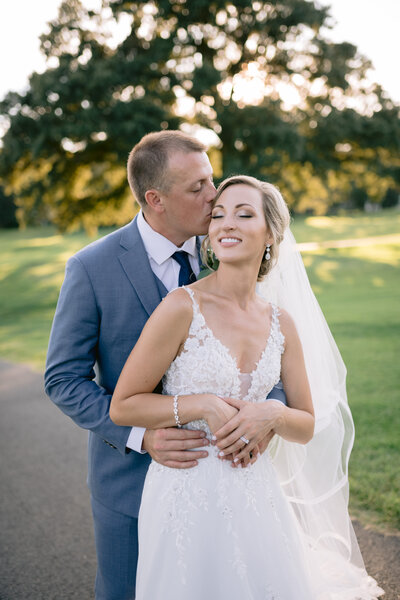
{"type": "Point", "coordinates": [286, 322]}
{"type": "Point", "coordinates": [170, 321]}
{"type": "Point", "coordinates": [176, 307]}
{"type": "Point", "coordinates": [177, 299]}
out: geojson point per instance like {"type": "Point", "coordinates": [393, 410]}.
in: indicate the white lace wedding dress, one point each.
{"type": "Point", "coordinates": [214, 532]}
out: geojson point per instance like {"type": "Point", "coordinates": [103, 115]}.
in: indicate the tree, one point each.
{"type": "Point", "coordinates": [70, 134]}
{"type": "Point", "coordinates": [310, 112]}
{"type": "Point", "coordinates": [7, 211]}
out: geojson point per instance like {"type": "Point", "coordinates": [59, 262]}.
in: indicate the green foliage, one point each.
{"type": "Point", "coordinates": [7, 210]}
{"type": "Point", "coordinates": [65, 151]}
{"type": "Point", "coordinates": [391, 198]}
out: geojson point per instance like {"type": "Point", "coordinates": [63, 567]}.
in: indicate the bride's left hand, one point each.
{"type": "Point", "coordinates": [254, 421]}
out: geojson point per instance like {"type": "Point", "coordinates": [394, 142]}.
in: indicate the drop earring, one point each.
{"type": "Point", "coordinates": [267, 252]}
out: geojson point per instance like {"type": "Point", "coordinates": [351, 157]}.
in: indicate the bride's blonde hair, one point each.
{"type": "Point", "coordinates": [276, 214]}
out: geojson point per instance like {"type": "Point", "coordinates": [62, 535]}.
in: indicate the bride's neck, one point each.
{"type": "Point", "coordinates": [239, 285]}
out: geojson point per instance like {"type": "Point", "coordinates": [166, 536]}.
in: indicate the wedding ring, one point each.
{"type": "Point", "coordinates": [244, 439]}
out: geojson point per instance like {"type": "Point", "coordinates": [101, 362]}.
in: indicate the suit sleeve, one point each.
{"type": "Point", "coordinates": [278, 393]}
{"type": "Point", "coordinates": [69, 376]}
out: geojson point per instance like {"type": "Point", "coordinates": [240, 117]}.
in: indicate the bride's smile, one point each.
{"type": "Point", "coordinates": [229, 241]}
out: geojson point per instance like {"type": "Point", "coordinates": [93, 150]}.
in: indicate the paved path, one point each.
{"type": "Point", "coordinates": [46, 540]}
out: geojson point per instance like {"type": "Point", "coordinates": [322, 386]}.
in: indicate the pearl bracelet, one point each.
{"type": "Point", "coordinates": [176, 415]}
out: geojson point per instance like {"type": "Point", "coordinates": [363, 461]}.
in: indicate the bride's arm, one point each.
{"type": "Point", "coordinates": [294, 422]}
{"type": "Point", "coordinates": [133, 402]}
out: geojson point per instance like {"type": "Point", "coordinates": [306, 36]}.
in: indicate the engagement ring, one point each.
{"type": "Point", "coordinates": [244, 439]}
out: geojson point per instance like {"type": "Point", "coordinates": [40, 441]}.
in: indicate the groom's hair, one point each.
{"type": "Point", "coordinates": [148, 161]}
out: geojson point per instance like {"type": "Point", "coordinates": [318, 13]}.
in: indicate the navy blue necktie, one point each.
{"type": "Point", "coordinates": [186, 274]}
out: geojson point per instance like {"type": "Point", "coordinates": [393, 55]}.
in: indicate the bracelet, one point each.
{"type": "Point", "coordinates": [176, 415]}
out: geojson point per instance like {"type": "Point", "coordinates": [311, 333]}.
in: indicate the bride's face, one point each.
{"type": "Point", "coordinates": [238, 230]}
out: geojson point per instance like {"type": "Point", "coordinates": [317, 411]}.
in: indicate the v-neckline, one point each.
{"type": "Point", "coordinates": [228, 351]}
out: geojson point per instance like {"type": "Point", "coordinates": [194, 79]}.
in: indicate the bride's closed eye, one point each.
{"type": "Point", "coordinates": [242, 216]}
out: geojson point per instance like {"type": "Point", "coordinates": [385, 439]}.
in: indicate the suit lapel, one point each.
{"type": "Point", "coordinates": [135, 262]}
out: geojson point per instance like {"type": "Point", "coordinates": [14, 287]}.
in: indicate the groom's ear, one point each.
{"type": "Point", "coordinates": [154, 200]}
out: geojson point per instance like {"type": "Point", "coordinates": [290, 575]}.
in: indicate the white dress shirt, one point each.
{"type": "Point", "coordinates": [159, 251]}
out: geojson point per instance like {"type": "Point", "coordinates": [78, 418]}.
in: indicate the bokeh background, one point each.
{"type": "Point", "coordinates": [278, 90]}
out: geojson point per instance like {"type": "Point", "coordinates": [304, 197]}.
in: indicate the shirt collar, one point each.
{"type": "Point", "coordinates": [158, 247]}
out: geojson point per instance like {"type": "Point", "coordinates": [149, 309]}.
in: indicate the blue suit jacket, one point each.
{"type": "Point", "coordinates": [107, 296]}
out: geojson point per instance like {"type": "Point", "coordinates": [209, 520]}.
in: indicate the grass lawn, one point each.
{"type": "Point", "coordinates": [359, 291]}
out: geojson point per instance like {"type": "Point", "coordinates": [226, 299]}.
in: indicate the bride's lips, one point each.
{"type": "Point", "coordinates": [227, 242]}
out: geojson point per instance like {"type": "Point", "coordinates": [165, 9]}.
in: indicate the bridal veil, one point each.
{"type": "Point", "coordinates": [314, 477]}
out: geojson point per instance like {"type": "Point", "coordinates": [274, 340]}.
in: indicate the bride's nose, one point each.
{"type": "Point", "coordinates": [228, 223]}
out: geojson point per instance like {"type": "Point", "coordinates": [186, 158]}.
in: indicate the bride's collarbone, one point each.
{"type": "Point", "coordinates": [216, 307]}
{"type": "Point", "coordinates": [244, 334]}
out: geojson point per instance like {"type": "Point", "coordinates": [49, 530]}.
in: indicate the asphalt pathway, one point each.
{"type": "Point", "coordinates": [46, 540]}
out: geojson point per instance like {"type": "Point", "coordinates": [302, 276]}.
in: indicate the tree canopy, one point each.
{"type": "Point", "coordinates": [283, 102]}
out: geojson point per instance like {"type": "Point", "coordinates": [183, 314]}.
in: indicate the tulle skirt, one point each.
{"type": "Point", "coordinates": [216, 533]}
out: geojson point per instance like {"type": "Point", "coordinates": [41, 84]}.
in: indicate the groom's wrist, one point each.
{"type": "Point", "coordinates": [135, 440]}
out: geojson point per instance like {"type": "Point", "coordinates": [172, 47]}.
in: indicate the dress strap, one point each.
{"type": "Point", "coordinates": [276, 327]}
{"type": "Point", "coordinates": [196, 308]}
{"type": "Point", "coordinates": [275, 314]}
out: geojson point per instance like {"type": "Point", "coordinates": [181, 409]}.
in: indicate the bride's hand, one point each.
{"type": "Point", "coordinates": [218, 413]}
{"type": "Point", "coordinates": [254, 422]}
{"type": "Point", "coordinates": [246, 460]}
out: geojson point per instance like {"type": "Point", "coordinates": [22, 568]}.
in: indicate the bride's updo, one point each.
{"type": "Point", "coordinates": [276, 215]}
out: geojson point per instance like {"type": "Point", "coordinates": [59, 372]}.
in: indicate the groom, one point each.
{"type": "Point", "coordinates": [111, 287]}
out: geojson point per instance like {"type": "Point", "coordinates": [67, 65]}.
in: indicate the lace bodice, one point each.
{"type": "Point", "coordinates": [206, 365]}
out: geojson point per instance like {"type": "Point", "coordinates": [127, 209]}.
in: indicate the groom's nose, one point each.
{"type": "Point", "coordinates": [211, 191]}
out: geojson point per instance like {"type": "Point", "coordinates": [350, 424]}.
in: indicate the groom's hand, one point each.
{"type": "Point", "coordinates": [174, 447]}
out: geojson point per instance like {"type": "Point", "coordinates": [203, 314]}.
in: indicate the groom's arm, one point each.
{"type": "Point", "coordinates": [69, 378]}
{"type": "Point", "coordinates": [69, 375]}
{"type": "Point", "coordinates": [278, 393]}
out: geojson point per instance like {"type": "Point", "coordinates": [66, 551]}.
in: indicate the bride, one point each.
{"type": "Point", "coordinates": [244, 524]}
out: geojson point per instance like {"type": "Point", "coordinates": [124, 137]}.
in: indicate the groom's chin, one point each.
{"type": "Point", "coordinates": [204, 229]}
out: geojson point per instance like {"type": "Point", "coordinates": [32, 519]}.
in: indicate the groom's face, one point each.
{"type": "Point", "coordinates": [188, 196]}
